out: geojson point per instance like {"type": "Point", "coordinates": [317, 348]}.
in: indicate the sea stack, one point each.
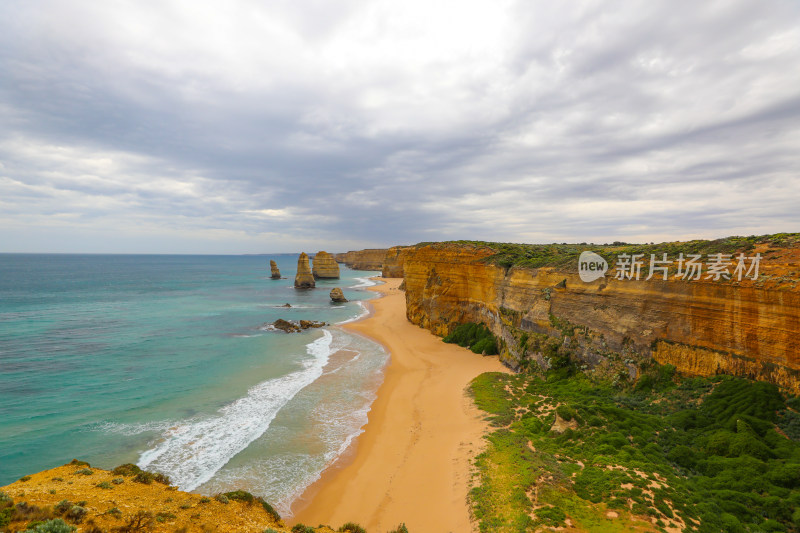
{"type": "Point", "coordinates": [273, 266]}
{"type": "Point", "coordinates": [304, 279]}
{"type": "Point", "coordinates": [337, 295]}
{"type": "Point", "coordinates": [325, 266]}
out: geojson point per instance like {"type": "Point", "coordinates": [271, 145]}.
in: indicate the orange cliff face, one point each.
{"type": "Point", "coordinates": [393, 261]}
{"type": "Point", "coordinates": [748, 328]}
{"type": "Point", "coordinates": [368, 259]}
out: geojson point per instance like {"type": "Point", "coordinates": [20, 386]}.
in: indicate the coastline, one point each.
{"type": "Point", "coordinates": [412, 462]}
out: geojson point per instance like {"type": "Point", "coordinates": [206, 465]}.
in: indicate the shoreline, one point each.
{"type": "Point", "coordinates": [412, 462]}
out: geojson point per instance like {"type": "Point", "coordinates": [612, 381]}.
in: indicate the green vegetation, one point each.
{"type": "Point", "coordinates": [476, 337]}
{"type": "Point", "coordinates": [703, 454]}
{"type": "Point", "coordinates": [148, 477]}
{"type": "Point", "coordinates": [566, 255]}
{"type": "Point", "coordinates": [351, 527]}
{"type": "Point", "coordinates": [53, 526]}
{"type": "Point", "coordinates": [128, 469]}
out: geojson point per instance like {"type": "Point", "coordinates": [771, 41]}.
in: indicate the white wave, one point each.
{"type": "Point", "coordinates": [361, 314]}
{"type": "Point", "coordinates": [365, 282]}
{"type": "Point", "coordinates": [191, 452]}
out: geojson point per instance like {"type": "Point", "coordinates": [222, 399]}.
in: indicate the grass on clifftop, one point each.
{"type": "Point", "coordinates": [566, 255]}
{"type": "Point", "coordinates": [706, 455]}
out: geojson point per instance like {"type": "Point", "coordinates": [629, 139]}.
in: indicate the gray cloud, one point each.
{"type": "Point", "coordinates": [165, 126]}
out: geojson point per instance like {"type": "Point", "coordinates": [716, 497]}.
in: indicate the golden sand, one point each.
{"type": "Point", "coordinates": [412, 463]}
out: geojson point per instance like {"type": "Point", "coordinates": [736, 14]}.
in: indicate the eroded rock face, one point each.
{"type": "Point", "coordinates": [748, 328]}
{"type": "Point", "coordinates": [393, 261]}
{"type": "Point", "coordinates": [325, 266]}
{"type": "Point", "coordinates": [304, 278]}
{"type": "Point", "coordinates": [337, 295]}
{"type": "Point", "coordinates": [368, 259]}
{"type": "Point", "coordinates": [273, 266]}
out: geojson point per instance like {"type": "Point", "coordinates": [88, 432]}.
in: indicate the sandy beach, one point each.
{"type": "Point", "coordinates": [412, 463]}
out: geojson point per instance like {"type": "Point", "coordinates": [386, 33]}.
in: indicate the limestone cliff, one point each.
{"type": "Point", "coordinates": [325, 266]}
{"type": "Point", "coordinates": [304, 278]}
{"type": "Point", "coordinates": [273, 266]}
{"type": "Point", "coordinates": [746, 328]}
{"type": "Point", "coordinates": [393, 261]}
{"type": "Point", "coordinates": [368, 259]}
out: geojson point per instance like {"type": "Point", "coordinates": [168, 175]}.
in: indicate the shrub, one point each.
{"type": "Point", "coordinates": [63, 506]}
{"type": "Point", "coordinates": [76, 513]}
{"type": "Point", "coordinates": [76, 462]}
{"type": "Point", "coordinates": [351, 527]}
{"type": "Point", "coordinates": [300, 528]}
{"type": "Point", "coordinates": [142, 520]}
{"type": "Point", "coordinates": [25, 478]}
{"type": "Point", "coordinates": [476, 337]}
{"type": "Point", "coordinates": [400, 529]}
{"type": "Point", "coordinates": [5, 516]}
{"type": "Point", "coordinates": [53, 526]}
{"type": "Point", "coordinates": [128, 469]}
{"type": "Point", "coordinates": [117, 481]}
{"type": "Point", "coordinates": [269, 509]}
{"type": "Point", "coordinates": [84, 471]}
{"type": "Point", "coordinates": [104, 485]}
{"type": "Point", "coordinates": [240, 495]}
{"type": "Point", "coordinates": [221, 498]}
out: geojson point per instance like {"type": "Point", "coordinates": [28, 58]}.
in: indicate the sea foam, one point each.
{"type": "Point", "coordinates": [192, 451]}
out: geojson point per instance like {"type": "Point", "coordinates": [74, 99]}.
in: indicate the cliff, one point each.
{"type": "Point", "coordinates": [273, 266]}
{"type": "Point", "coordinates": [747, 328]}
{"type": "Point", "coordinates": [368, 259]}
{"type": "Point", "coordinates": [325, 266]}
{"type": "Point", "coordinates": [304, 279]}
{"type": "Point", "coordinates": [393, 261]}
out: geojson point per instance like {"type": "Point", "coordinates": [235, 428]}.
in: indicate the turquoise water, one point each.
{"type": "Point", "coordinates": [166, 361]}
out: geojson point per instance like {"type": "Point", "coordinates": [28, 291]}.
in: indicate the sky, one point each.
{"type": "Point", "coordinates": [248, 126]}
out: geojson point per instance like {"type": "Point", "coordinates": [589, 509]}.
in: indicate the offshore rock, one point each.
{"type": "Point", "coordinates": [290, 326]}
{"type": "Point", "coordinates": [273, 266]}
{"type": "Point", "coordinates": [338, 296]}
{"type": "Point", "coordinates": [304, 278]}
{"type": "Point", "coordinates": [325, 266]}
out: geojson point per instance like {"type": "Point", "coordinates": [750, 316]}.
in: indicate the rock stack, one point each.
{"type": "Point", "coordinates": [337, 295]}
{"type": "Point", "coordinates": [325, 266]}
{"type": "Point", "coordinates": [304, 279]}
{"type": "Point", "coordinates": [273, 266]}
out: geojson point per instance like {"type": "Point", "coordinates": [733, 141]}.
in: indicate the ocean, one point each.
{"type": "Point", "coordinates": [167, 362]}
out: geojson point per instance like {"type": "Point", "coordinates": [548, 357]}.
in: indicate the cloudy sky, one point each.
{"type": "Point", "coordinates": [268, 126]}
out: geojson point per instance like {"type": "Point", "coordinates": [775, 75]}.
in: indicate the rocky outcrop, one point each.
{"type": "Point", "coordinates": [337, 295]}
{"type": "Point", "coordinates": [291, 326]}
{"type": "Point", "coordinates": [749, 328]}
{"type": "Point", "coordinates": [393, 261]}
{"type": "Point", "coordinates": [304, 278]}
{"type": "Point", "coordinates": [325, 266]}
{"type": "Point", "coordinates": [90, 497]}
{"type": "Point", "coordinates": [368, 259]}
{"type": "Point", "coordinates": [273, 266]}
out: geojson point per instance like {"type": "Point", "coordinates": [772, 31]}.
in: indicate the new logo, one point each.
{"type": "Point", "coordinates": [591, 266]}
